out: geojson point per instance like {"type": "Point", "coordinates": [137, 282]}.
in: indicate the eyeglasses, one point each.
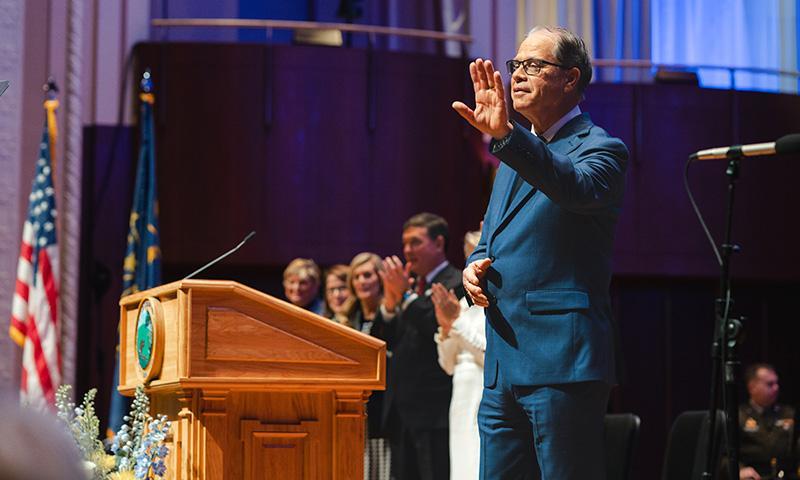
{"type": "Point", "coordinates": [531, 66]}
{"type": "Point", "coordinates": [335, 290]}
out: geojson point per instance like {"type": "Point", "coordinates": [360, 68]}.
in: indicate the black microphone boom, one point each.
{"type": "Point", "coordinates": [212, 262]}
{"type": "Point", "coordinates": [786, 144]}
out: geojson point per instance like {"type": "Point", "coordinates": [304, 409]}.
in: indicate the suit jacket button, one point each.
{"type": "Point", "coordinates": [491, 258]}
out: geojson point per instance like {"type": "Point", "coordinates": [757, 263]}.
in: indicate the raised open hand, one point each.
{"type": "Point", "coordinates": [490, 115]}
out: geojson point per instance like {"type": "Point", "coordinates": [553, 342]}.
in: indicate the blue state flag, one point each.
{"type": "Point", "coordinates": [142, 264]}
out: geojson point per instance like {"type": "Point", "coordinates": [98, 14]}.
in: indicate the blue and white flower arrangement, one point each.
{"type": "Point", "coordinates": [138, 450]}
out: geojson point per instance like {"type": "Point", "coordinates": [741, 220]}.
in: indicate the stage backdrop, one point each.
{"type": "Point", "coordinates": [325, 152]}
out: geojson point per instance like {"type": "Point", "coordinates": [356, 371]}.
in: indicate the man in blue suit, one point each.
{"type": "Point", "coordinates": [543, 264]}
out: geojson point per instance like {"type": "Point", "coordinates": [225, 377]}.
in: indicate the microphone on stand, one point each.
{"type": "Point", "coordinates": [786, 144]}
{"type": "Point", "coordinates": [212, 262]}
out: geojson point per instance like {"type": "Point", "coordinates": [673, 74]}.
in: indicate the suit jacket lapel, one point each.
{"type": "Point", "coordinates": [442, 276]}
{"type": "Point", "coordinates": [571, 135]}
{"type": "Point", "coordinates": [521, 196]}
{"type": "Point", "coordinates": [508, 178]}
{"type": "Point", "coordinates": [525, 192]}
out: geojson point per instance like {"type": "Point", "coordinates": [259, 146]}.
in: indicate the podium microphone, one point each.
{"type": "Point", "coordinates": [212, 262]}
{"type": "Point", "coordinates": [786, 144]}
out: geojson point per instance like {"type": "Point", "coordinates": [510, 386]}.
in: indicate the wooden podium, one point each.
{"type": "Point", "coordinates": [255, 387]}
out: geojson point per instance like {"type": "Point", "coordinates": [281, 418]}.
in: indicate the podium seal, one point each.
{"type": "Point", "coordinates": [149, 338]}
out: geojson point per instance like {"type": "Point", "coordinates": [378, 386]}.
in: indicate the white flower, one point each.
{"type": "Point", "coordinates": [89, 467]}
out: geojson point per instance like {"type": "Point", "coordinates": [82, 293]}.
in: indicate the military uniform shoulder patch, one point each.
{"type": "Point", "coordinates": [785, 423]}
{"type": "Point", "coordinates": [750, 425]}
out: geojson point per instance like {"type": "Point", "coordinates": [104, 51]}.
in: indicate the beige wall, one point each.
{"type": "Point", "coordinates": [11, 55]}
{"type": "Point", "coordinates": [82, 44]}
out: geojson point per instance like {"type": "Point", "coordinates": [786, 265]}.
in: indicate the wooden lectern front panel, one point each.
{"type": "Point", "coordinates": [255, 435]}
{"type": "Point", "coordinates": [283, 451]}
{"type": "Point", "coordinates": [272, 456]}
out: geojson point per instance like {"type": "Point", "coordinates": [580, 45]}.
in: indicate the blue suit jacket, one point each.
{"type": "Point", "coordinates": [549, 319]}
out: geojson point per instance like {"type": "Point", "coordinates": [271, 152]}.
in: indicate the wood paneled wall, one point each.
{"type": "Point", "coordinates": [324, 152]}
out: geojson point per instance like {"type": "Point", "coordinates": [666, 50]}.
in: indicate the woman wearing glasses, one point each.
{"type": "Point", "coordinates": [338, 297]}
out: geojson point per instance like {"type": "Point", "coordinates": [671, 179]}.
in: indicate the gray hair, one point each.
{"type": "Point", "coordinates": [570, 51]}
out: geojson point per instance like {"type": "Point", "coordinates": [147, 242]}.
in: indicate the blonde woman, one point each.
{"type": "Point", "coordinates": [301, 280]}
{"type": "Point", "coordinates": [365, 283]}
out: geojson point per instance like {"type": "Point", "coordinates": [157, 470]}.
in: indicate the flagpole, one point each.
{"type": "Point", "coordinates": [51, 104]}
{"type": "Point", "coordinates": [142, 262]}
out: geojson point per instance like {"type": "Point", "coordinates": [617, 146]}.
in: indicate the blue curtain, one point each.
{"type": "Point", "coordinates": [622, 31]}
{"type": "Point", "coordinates": [738, 33]}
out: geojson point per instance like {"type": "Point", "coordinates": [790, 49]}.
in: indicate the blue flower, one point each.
{"type": "Point", "coordinates": [159, 468]}
{"type": "Point", "coordinates": [162, 451]}
{"type": "Point", "coordinates": [140, 471]}
{"type": "Point", "coordinates": [142, 466]}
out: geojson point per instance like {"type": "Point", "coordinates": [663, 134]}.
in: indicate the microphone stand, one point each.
{"type": "Point", "coordinates": [724, 357]}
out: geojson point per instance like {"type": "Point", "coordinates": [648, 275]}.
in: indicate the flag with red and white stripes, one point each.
{"type": "Point", "coordinates": [34, 316]}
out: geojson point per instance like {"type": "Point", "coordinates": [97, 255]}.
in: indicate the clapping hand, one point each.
{"type": "Point", "coordinates": [446, 307]}
{"type": "Point", "coordinates": [396, 280]}
{"type": "Point", "coordinates": [748, 473]}
{"type": "Point", "coordinates": [491, 113]}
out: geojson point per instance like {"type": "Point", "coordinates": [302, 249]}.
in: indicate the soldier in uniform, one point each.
{"type": "Point", "coordinates": [768, 433]}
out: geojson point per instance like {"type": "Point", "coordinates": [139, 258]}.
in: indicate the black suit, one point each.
{"type": "Point", "coordinates": [376, 328]}
{"type": "Point", "coordinates": [417, 399]}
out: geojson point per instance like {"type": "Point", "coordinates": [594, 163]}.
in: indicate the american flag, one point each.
{"type": "Point", "coordinates": [34, 316]}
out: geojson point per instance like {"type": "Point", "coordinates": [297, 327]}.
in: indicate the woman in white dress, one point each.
{"type": "Point", "coordinates": [461, 342]}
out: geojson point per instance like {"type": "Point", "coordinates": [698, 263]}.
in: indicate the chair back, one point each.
{"type": "Point", "coordinates": [685, 457]}
{"type": "Point", "coordinates": [621, 432]}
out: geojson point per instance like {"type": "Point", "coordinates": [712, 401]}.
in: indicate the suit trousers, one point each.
{"type": "Point", "coordinates": [549, 432]}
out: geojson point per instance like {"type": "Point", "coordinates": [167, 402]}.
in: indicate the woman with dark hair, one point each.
{"type": "Point", "coordinates": [337, 295]}
{"type": "Point", "coordinates": [367, 288]}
